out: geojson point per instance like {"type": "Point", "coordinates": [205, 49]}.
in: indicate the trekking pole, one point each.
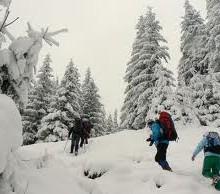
{"type": "Point", "coordinates": [66, 144]}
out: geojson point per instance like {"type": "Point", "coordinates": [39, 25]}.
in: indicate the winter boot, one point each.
{"type": "Point", "coordinates": [165, 166]}
{"type": "Point", "coordinates": [216, 182]}
{"type": "Point", "coordinates": [168, 169]}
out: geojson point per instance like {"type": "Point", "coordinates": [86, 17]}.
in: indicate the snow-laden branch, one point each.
{"type": "Point", "coordinates": [45, 35]}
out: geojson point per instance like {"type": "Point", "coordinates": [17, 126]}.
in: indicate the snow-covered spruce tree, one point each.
{"type": "Point", "coordinates": [91, 104]}
{"type": "Point", "coordinates": [30, 119]}
{"type": "Point", "coordinates": [52, 126]}
{"type": "Point", "coordinates": [213, 29]}
{"type": "Point", "coordinates": [127, 111]}
{"type": "Point", "coordinates": [184, 109]}
{"type": "Point", "coordinates": [163, 94]}
{"type": "Point", "coordinates": [206, 97]}
{"type": "Point", "coordinates": [204, 85]}
{"type": "Point", "coordinates": [104, 120]}
{"type": "Point", "coordinates": [193, 33]}
{"type": "Point", "coordinates": [56, 83]}
{"type": "Point", "coordinates": [110, 125]}
{"type": "Point", "coordinates": [30, 115]}
{"type": "Point", "coordinates": [148, 52]}
{"type": "Point", "coordinates": [43, 91]}
{"type": "Point", "coordinates": [65, 107]}
{"type": "Point", "coordinates": [192, 65]}
{"type": "Point", "coordinates": [115, 121]}
{"type": "Point", "coordinates": [72, 88]}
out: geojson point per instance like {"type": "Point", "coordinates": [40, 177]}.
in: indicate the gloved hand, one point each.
{"type": "Point", "coordinates": [149, 139]}
{"type": "Point", "coordinates": [151, 143]}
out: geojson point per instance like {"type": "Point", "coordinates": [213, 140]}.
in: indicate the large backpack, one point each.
{"type": "Point", "coordinates": [87, 126]}
{"type": "Point", "coordinates": [213, 144]}
{"type": "Point", "coordinates": [77, 126]}
{"type": "Point", "coordinates": [167, 125]}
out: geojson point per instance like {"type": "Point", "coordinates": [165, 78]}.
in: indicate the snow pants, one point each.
{"type": "Point", "coordinates": [211, 168]}
{"type": "Point", "coordinates": [75, 143]}
{"type": "Point", "coordinates": [161, 155]}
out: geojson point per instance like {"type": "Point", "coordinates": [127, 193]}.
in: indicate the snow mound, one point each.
{"type": "Point", "coordinates": [10, 129]}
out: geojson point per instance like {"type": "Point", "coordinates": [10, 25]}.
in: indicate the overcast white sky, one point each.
{"type": "Point", "coordinates": [101, 33]}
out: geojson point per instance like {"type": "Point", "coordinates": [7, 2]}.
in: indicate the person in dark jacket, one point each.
{"type": "Point", "coordinates": [160, 143]}
{"type": "Point", "coordinates": [86, 129]}
{"type": "Point", "coordinates": [76, 132]}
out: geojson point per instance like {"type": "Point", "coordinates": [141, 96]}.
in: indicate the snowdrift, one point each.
{"type": "Point", "coordinates": [10, 129]}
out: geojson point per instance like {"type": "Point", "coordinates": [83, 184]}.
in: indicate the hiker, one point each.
{"type": "Point", "coordinates": [160, 143]}
{"type": "Point", "coordinates": [76, 132]}
{"type": "Point", "coordinates": [210, 143]}
{"type": "Point", "coordinates": [86, 129]}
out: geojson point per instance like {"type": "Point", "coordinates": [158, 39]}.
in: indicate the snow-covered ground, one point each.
{"type": "Point", "coordinates": [125, 160]}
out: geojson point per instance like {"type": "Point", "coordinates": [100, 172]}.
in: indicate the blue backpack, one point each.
{"type": "Point", "coordinates": [213, 144]}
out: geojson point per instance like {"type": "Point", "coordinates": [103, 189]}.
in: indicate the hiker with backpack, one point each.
{"type": "Point", "coordinates": [163, 131]}
{"type": "Point", "coordinates": [76, 132]}
{"type": "Point", "coordinates": [210, 143]}
{"type": "Point", "coordinates": [86, 129]}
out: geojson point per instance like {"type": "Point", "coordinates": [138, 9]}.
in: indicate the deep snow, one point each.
{"type": "Point", "coordinates": [126, 161]}
{"type": "Point", "coordinates": [10, 130]}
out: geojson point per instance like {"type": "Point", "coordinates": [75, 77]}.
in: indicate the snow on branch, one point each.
{"type": "Point", "coordinates": [5, 3]}
{"type": "Point", "coordinates": [45, 35]}
{"type": "Point", "coordinates": [3, 24]}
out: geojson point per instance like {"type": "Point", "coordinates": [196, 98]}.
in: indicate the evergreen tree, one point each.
{"type": "Point", "coordinates": [213, 29]}
{"type": "Point", "coordinates": [213, 47]}
{"type": "Point", "coordinates": [185, 110]}
{"type": "Point", "coordinates": [206, 99]}
{"type": "Point", "coordinates": [115, 122]}
{"type": "Point", "coordinates": [163, 95]}
{"type": "Point", "coordinates": [110, 125]}
{"type": "Point", "coordinates": [52, 126]}
{"type": "Point", "coordinates": [92, 105]}
{"type": "Point", "coordinates": [72, 88]}
{"type": "Point", "coordinates": [205, 85]}
{"type": "Point", "coordinates": [193, 64]}
{"type": "Point", "coordinates": [65, 107]}
{"type": "Point", "coordinates": [39, 102]}
{"type": "Point", "coordinates": [191, 45]}
{"type": "Point", "coordinates": [148, 52]}
{"type": "Point", "coordinates": [56, 84]}
{"type": "Point", "coordinates": [30, 119]}
{"type": "Point", "coordinates": [104, 121]}
{"type": "Point", "coordinates": [44, 88]}
{"type": "Point", "coordinates": [127, 115]}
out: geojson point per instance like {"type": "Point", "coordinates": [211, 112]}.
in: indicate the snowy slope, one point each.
{"type": "Point", "coordinates": [124, 159]}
